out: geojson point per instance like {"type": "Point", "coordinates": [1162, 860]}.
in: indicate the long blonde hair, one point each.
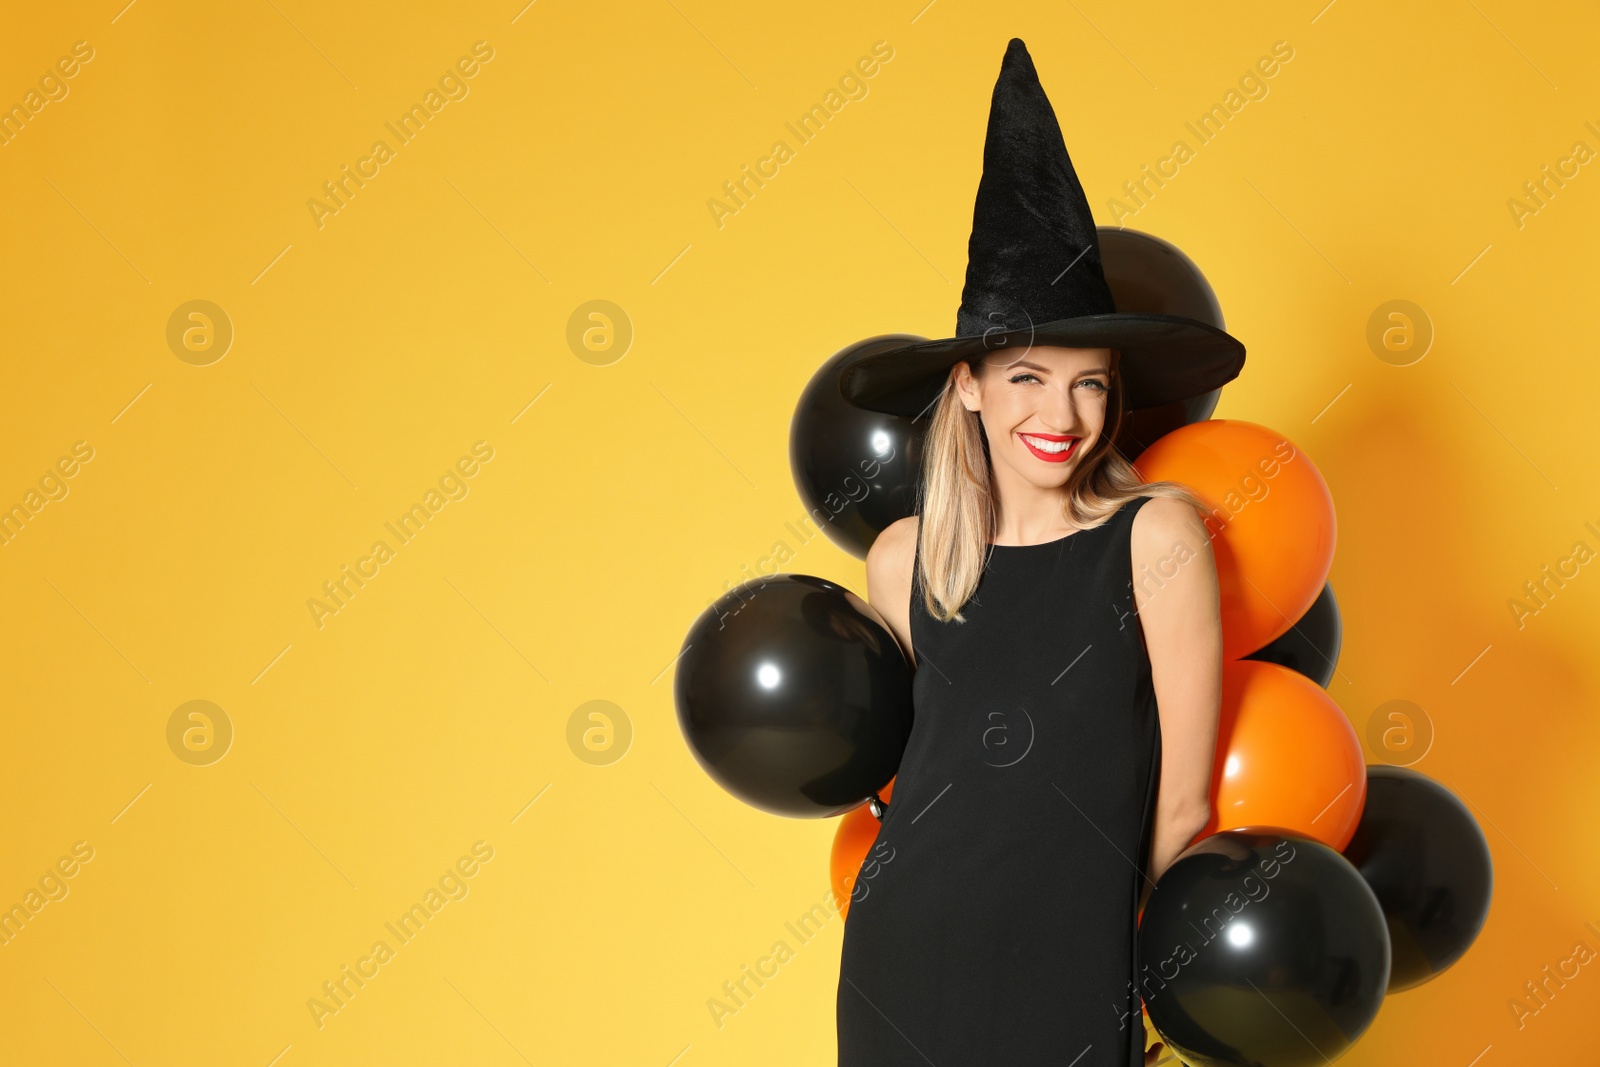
{"type": "Point", "coordinates": [956, 504]}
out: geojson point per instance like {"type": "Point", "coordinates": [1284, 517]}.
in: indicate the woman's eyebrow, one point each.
{"type": "Point", "coordinates": [1035, 366]}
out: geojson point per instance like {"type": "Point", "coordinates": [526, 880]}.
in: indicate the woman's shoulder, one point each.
{"type": "Point", "coordinates": [889, 578]}
{"type": "Point", "coordinates": [1161, 523]}
{"type": "Point", "coordinates": [894, 553]}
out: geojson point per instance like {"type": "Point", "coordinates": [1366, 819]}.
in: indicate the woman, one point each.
{"type": "Point", "coordinates": [1063, 621]}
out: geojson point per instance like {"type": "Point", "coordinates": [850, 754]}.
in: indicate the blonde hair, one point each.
{"type": "Point", "coordinates": [956, 504]}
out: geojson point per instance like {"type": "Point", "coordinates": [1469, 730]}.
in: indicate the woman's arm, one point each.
{"type": "Point", "coordinates": [1179, 609]}
{"type": "Point", "coordinates": [889, 563]}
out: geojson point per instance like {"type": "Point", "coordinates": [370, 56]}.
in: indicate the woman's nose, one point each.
{"type": "Point", "coordinates": [1061, 410]}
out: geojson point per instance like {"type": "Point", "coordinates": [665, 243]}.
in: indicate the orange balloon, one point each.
{"type": "Point", "coordinates": [858, 829]}
{"type": "Point", "coordinates": [1271, 523]}
{"type": "Point", "coordinates": [1286, 757]}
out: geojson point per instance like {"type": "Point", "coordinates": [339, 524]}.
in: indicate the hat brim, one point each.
{"type": "Point", "coordinates": [1164, 358]}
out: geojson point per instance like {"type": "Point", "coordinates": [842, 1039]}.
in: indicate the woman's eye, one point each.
{"type": "Point", "coordinates": [1027, 376]}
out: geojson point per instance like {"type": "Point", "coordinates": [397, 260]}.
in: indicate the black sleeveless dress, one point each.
{"type": "Point", "coordinates": [993, 922]}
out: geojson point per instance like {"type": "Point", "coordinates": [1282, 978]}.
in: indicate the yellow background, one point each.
{"type": "Point", "coordinates": [372, 352]}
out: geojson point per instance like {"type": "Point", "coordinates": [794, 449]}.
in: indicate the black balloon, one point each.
{"type": "Point", "coordinates": [1311, 645]}
{"type": "Point", "coordinates": [794, 696]}
{"type": "Point", "coordinates": [1425, 857]}
{"type": "Point", "coordinates": [1262, 949]}
{"type": "Point", "coordinates": [857, 470]}
{"type": "Point", "coordinates": [1148, 274]}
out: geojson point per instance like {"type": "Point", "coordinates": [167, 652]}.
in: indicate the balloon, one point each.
{"type": "Point", "coordinates": [856, 470]}
{"type": "Point", "coordinates": [1148, 274]}
{"type": "Point", "coordinates": [1425, 857]}
{"type": "Point", "coordinates": [1271, 522]}
{"type": "Point", "coordinates": [851, 842]}
{"type": "Point", "coordinates": [1311, 646]}
{"type": "Point", "coordinates": [794, 695]}
{"type": "Point", "coordinates": [1286, 757]}
{"type": "Point", "coordinates": [1262, 949]}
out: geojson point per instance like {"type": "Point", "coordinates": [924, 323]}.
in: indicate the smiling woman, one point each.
{"type": "Point", "coordinates": [1019, 451]}
{"type": "Point", "coordinates": [1007, 926]}
{"type": "Point", "coordinates": [1058, 447]}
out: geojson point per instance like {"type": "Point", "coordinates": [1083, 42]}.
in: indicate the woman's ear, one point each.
{"type": "Point", "coordinates": [966, 385]}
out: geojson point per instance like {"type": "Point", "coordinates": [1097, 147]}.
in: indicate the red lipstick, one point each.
{"type": "Point", "coordinates": [1051, 457]}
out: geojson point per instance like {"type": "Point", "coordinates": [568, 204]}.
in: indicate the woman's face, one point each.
{"type": "Point", "coordinates": [1043, 407]}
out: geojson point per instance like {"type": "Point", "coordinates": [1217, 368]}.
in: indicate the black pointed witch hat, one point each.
{"type": "Point", "coordinates": [1034, 277]}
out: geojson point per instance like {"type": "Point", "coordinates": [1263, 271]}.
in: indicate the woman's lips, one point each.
{"type": "Point", "coordinates": [1050, 438]}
